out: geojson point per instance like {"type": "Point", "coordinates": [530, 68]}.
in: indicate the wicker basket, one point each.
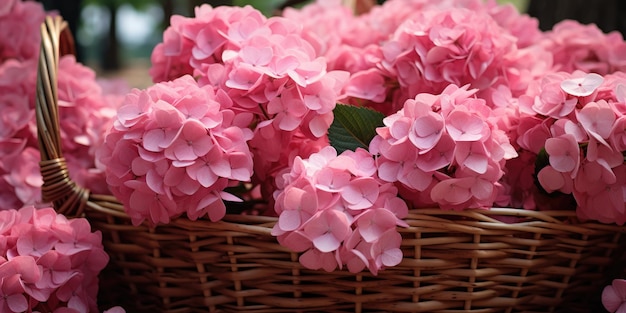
{"type": "Point", "coordinates": [466, 261]}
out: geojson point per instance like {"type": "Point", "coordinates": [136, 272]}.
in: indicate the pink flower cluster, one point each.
{"type": "Point", "coordinates": [441, 47]}
{"type": "Point", "coordinates": [195, 42]}
{"type": "Point", "coordinates": [334, 210]}
{"type": "Point", "coordinates": [444, 149]}
{"type": "Point", "coordinates": [473, 93]}
{"type": "Point", "coordinates": [264, 64]}
{"type": "Point", "coordinates": [274, 150]}
{"type": "Point", "coordinates": [19, 30]}
{"type": "Point", "coordinates": [579, 121]}
{"type": "Point", "coordinates": [403, 48]}
{"type": "Point", "coordinates": [48, 263]}
{"type": "Point", "coordinates": [614, 296]}
{"type": "Point", "coordinates": [575, 46]}
{"type": "Point", "coordinates": [84, 112]}
{"type": "Point", "coordinates": [173, 149]}
{"type": "Point", "coordinates": [423, 47]}
{"type": "Point", "coordinates": [272, 74]}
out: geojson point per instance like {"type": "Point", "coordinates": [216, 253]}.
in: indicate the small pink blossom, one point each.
{"type": "Point", "coordinates": [597, 119]}
{"type": "Point", "coordinates": [614, 296]}
{"type": "Point", "coordinates": [360, 193]}
{"type": "Point", "coordinates": [299, 206]}
{"type": "Point", "coordinates": [552, 180]}
{"type": "Point", "coordinates": [582, 87]}
{"type": "Point", "coordinates": [13, 299]}
{"type": "Point", "coordinates": [329, 229]}
{"type": "Point", "coordinates": [387, 249]}
{"type": "Point", "coordinates": [564, 153]}
{"type": "Point", "coordinates": [316, 259]}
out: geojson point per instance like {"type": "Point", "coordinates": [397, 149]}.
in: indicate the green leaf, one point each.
{"type": "Point", "coordinates": [353, 127]}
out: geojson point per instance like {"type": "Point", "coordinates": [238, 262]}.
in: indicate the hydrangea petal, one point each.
{"type": "Point", "coordinates": [392, 257]}
{"type": "Point", "coordinates": [360, 193]}
{"type": "Point", "coordinates": [289, 220]}
{"type": "Point", "coordinates": [17, 302]}
{"type": "Point", "coordinates": [583, 86]}
{"type": "Point", "coordinates": [326, 242]}
{"type": "Point", "coordinates": [373, 224]}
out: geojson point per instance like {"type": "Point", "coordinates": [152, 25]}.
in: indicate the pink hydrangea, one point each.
{"type": "Point", "coordinates": [48, 262]}
{"type": "Point", "coordinates": [84, 114]}
{"type": "Point", "coordinates": [325, 24]}
{"type": "Point", "coordinates": [357, 44]}
{"type": "Point", "coordinates": [191, 43]}
{"type": "Point", "coordinates": [524, 27]}
{"type": "Point", "coordinates": [423, 46]}
{"type": "Point", "coordinates": [334, 210]}
{"type": "Point", "coordinates": [19, 30]}
{"type": "Point", "coordinates": [575, 120]}
{"type": "Point", "coordinates": [265, 65]}
{"type": "Point", "coordinates": [276, 75]}
{"type": "Point", "coordinates": [273, 152]}
{"type": "Point", "coordinates": [451, 46]}
{"type": "Point", "coordinates": [173, 149]}
{"type": "Point", "coordinates": [614, 296]}
{"type": "Point", "coordinates": [576, 46]}
{"type": "Point", "coordinates": [446, 146]}
{"type": "Point", "coordinates": [85, 110]}
{"type": "Point", "coordinates": [278, 82]}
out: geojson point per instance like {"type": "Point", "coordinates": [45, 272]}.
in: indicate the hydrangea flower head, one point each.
{"type": "Point", "coordinates": [576, 120]}
{"type": "Point", "coordinates": [278, 82]}
{"type": "Point", "coordinates": [49, 261]}
{"type": "Point", "coordinates": [19, 30]}
{"type": "Point", "coordinates": [586, 48]}
{"type": "Point", "coordinates": [173, 149]}
{"type": "Point", "coordinates": [336, 211]}
{"type": "Point", "coordinates": [446, 145]}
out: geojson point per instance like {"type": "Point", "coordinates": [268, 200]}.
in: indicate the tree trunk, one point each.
{"type": "Point", "coordinates": [168, 11]}
{"type": "Point", "coordinates": [111, 55]}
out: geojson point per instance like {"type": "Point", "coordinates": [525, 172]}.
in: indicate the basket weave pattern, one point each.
{"type": "Point", "coordinates": [467, 261]}
{"type": "Point", "coordinates": [478, 265]}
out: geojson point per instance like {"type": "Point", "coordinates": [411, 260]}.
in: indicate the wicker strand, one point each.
{"type": "Point", "coordinates": [66, 196]}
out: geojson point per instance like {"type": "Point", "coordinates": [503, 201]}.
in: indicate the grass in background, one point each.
{"type": "Point", "coordinates": [522, 5]}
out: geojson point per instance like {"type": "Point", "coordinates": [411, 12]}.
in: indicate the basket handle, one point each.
{"type": "Point", "coordinates": [65, 195]}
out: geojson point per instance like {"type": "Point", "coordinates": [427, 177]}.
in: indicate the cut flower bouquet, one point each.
{"type": "Point", "coordinates": [456, 104]}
